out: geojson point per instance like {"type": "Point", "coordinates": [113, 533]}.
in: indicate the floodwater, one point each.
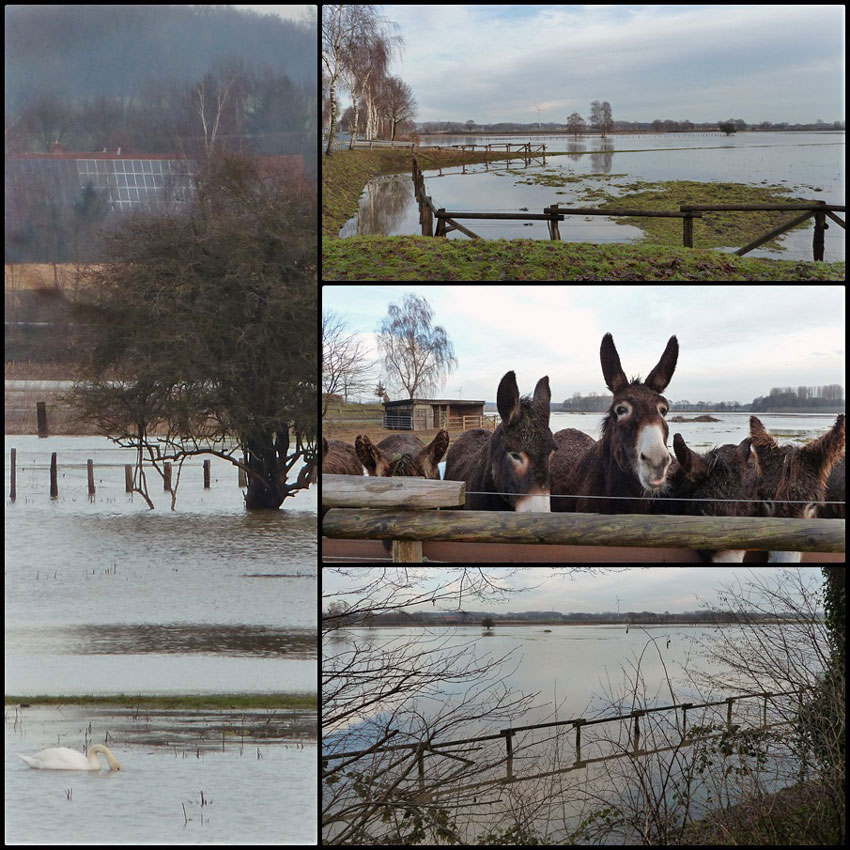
{"type": "Point", "coordinates": [730, 427]}
{"type": "Point", "coordinates": [107, 596]}
{"type": "Point", "coordinates": [810, 165]}
{"type": "Point", "coordinates": [574, 671]}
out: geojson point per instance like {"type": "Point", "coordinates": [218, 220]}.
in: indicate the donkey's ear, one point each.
{"type": "Point", "coordinates": [660, 376]}
{"type": "Point", "coordinates": [825, 452]}
{"type": "Point", "coordinates": [612, 371]}
{"type": "Point", "coordinates": [543, 396]}
{"type": "Point", "coordinates": [368, 453]}
{"type": "Point", "coordinates": [507, 398]}
{"type": "Point", "coordinates": [437, 447]}
{"type": "Point", "coordinates": [761, 440]}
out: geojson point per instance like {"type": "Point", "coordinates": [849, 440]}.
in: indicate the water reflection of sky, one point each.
{"type": "Point", "coordinates": [810, 165]}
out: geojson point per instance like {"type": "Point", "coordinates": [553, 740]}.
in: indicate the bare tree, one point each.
{"type": "Point", "coordinates": [344, 364]}
{"type": "Point", "coordinates": [417, 354]}
{"type": "Point", "coordinates": [399, 103]}
{"type": "Point", "coordinates": [600, 116]}
{"type": "Point", "coordinates": [576, 124]}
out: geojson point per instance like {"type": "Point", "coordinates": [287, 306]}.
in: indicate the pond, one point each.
{"type": "Point", "coordinates": [809, 165]}
{"type": "Point", "coordinates": [109, 597]}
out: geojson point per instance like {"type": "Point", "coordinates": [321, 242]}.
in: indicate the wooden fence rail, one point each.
{"type": "Point", "coordinates": [422, 748]}
{"type": "Point", "coordinates": [401, 510]}
{"type": "Point", "coordinates": [448, 220]}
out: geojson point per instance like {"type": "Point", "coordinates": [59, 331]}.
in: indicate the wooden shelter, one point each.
{"type": "Point", "coordinates": [423, 414]}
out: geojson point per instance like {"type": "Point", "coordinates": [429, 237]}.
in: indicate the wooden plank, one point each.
{"type": "Point", "coordinates": [597, 211]}
{"type": "Point", "coordinates": [353, 491]}
{"type": "Point", "coordinates": [695, 532]}
{"type": "Point", "coordinates": [775, 232]}
{"type": "Point", "coordinates": [340, 551]}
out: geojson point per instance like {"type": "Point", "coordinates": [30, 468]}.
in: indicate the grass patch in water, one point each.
{"type": "Point", "coordinates": [185, 702]}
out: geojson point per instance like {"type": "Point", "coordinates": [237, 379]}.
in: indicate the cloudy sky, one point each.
{"type": "Point", "coordinates": [673, 589]}
{"type": "Point", "coordinates": [735, 343]}
{"type": "Point", "coordinates": [702, 63]}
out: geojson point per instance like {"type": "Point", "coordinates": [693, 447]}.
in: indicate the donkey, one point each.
{"type": "Point", "coordinates": [721, 482]}
{"type": "Point", "coordinates": [339, 458]}
{"type": "Point", "coordinates": [402, 454]}
{"type": "Point", "coordinates": [835, 493]}
{"type": "Point", "coordinates": [790, 481]}
{"type": "Point", "coordinates": [507, 469]}
{"type": "Point", "coordinates": [632, 458]}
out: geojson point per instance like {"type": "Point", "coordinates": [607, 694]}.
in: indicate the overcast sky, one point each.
{"type": "Point", "coordinates": [702, 63]}
{"type": "Point", "coordinates": [735, 342]}
{"type": "Point", "coordinates": [297, 13]}
{"type": "Point", "coordinates": [673, 589]}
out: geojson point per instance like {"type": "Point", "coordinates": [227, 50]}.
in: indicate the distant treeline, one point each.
{"type": "Point", "coordinates": [811, 398]}
{"type": "Point", "coordinates": [636, 618]}
{"type": "Point", "coordinates": [828, 395]}
{"type": "Point", "coordinates": [658, 126]}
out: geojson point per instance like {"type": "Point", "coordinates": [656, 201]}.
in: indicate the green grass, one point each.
{"type": "Point", "coordinates": [365, 258]}
{"type": "Point", "coordinates": [183, 702]}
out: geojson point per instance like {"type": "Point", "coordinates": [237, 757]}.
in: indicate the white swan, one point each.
{"type": "Point", "coordinates": [64, 758]}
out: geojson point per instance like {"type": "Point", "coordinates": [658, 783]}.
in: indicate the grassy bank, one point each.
{"type": "Point", "coordinates": [423, 258]}
{"type": "Point", "coordinates": [184, 702]}
{"type": "Point", "coordinates": [658, 257]}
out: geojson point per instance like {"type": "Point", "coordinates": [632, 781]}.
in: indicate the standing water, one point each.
{"type": "Point", "coordinates": [106, 597]}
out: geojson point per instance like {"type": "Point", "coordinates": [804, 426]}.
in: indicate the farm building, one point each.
{"type": "Point", "coordinates": [422, 414]}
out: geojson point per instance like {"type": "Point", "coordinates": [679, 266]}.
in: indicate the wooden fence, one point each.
{"type": "Point", "coordinates": [90, 476]}
{"type": "Point", "coordinates": [447, 220]}
{"type": "Point", "coordinates": [403, 511]}
{"type": "Point", "coordinates": [633, 748]}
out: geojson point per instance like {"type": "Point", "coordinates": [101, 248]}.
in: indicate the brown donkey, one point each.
{"type": "Point", "coordinates": [790, 481]}
{"type": "Point", "coordinates": [632, 458]}
{"type": "Point", "coordinates": [402, 454]}
{"type": "Point", "coordinates": [721, 482]}
{"type": "Point", "coordinates": [507, 469]}
{"type": "Point", "coordinates": [339, 458]}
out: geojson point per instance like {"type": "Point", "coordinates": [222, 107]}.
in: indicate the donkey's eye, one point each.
{"type": "Point", "coordinates": [662, 409]}
{"type": "Point", "coordinates": [516, 456]}
{"type": "Point", "coordinates": [621, 410]}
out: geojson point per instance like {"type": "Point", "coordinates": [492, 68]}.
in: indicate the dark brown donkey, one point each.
{"type": "Point", "coordinates": [339, 458]}
{"type": "Point", "coordinates": [791, 481]}
{"type": "Point", "coordinates": [721, 482]}
{"type": "Point", "coordinates": [632, 458]}
{"type": "Point", "coordinates": [507, 469]}
{"type": "Point", "coordinates": [402, 454]}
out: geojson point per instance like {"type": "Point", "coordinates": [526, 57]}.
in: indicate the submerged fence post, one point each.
{"type": "Point", "coordinates": [637, 715]}
{"type": "Point", "coordinates": [729, 703]}
{"type": "Point", "coordinates": [14, 476]}
{"type": "Point", "coordinates": [41, 417]}
{"type": "Point", "coordinates": [54, 483]}
{"type": "Point", "coordinates": [577, 724]}
{"type": "Point", "coordinates": [90, 478]}
{"type": "Point", "coordinates": [509, 750]}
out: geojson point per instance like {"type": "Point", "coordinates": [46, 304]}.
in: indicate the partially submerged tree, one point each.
{"type": "Point", "coordinates": [199, 332]}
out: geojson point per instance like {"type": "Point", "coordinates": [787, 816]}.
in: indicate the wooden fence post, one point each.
{"type": "Point", "coordinates": [577, 724]}
{"type": "Point", "coordinates": [54, 484]}
{"type": "Point", "coordinates": [14, 476]}
{"type": "Point", "coordinates": [509, 752]}
{"type": "Point", "coordinates": [90, 477]}
{"type": "Point", "coordinates": [166, 478]}
{"type": "Point", "coordinates": [729, 703]}
{"type": "Point", "coordinates": [128, 478]}
{"type": "Point", "coordinates": [637, 715]}
{"type": "Point", "coordinates": [207, 474]}
{"type": "Point", "coordinates": [688, 231]}
{"type": "Point", "coordinates": [817, 238]}
{"type": "Point", "coordinates": [41, 417]}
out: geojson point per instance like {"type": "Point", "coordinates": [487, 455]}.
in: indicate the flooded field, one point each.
{"type": "Point", "coordinates": [809, 165]}
{"type": "Point", "coordinates": [108, 597]}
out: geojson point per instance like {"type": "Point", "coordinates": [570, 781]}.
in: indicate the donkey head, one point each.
{"type": "Point", "coordinates": [724, 474]}
{"type": "Point", "coordinates": [635, 427]}
{"type": "Point", "coordinates": [791, 481]}
{"type": "Point", "coordinates": [402, 454]}
{"type": "Point", "coordinates": [522, 445]}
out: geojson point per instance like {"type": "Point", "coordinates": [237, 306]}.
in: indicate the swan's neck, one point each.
{"type": "Point", "coordinates": [100, 748]}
